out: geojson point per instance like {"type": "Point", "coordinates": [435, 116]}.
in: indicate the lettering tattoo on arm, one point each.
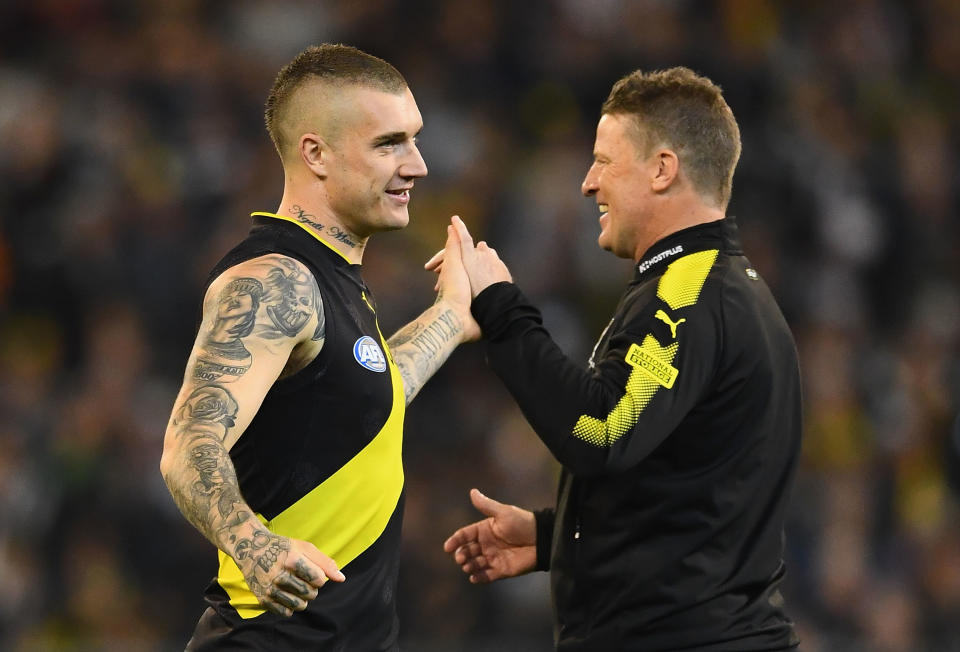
{"type": "Point", "coordinates": [420, 347]}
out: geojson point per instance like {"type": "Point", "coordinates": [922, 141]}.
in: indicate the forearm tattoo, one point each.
{"type": "Point", "coordinates": [207, 492]}
{"type": "Point", "coordinates": [422, 346]}
{"type": "Point", "coordinates": [205, 488]}
{"type": "Point", "coordinates": [275, 299]}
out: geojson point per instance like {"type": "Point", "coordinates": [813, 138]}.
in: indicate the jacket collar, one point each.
{"type": "Point", "coordinates": [720, 234]}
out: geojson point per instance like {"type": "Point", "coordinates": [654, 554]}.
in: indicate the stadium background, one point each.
{"type": "Point", "coordinates": [132, 151]}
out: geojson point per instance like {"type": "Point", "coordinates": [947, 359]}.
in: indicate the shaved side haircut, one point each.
{"type": "Point", "coordinates": [336, 66]}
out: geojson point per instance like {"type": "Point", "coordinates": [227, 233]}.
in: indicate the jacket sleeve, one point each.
{"type": "Point", "coordinates": [658, 364]}
{"type": "Point", "coordinates": [544, 519]}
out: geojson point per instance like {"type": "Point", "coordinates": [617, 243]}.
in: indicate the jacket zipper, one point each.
{"type": "Point", "coordinates": [577, 525]}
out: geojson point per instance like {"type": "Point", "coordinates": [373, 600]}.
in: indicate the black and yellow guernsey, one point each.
{"type": "Point", "coordinates": [321, 462]}
{"type": "Point", "coordinates": [678, 446]}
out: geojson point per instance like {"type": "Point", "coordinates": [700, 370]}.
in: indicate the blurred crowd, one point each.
{"type": "Point", "coordinates": [132, 152]}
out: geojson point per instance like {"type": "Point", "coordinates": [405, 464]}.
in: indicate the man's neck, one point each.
{"type": "Point", "coordinates": [325, 226]}
{"type": "Point", "coordinates": [684, 216]}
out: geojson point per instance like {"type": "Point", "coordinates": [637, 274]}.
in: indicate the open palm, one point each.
{"type": "Point", "coordinates": [502, 545]}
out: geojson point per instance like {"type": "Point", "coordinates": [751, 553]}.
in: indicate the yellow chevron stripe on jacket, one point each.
{"type": "Point", "coordinates": [346, 513]}
{"type": "Point", "coordinates": [652, 363]}
{"type": "Point", "coordinates": [680, 285]}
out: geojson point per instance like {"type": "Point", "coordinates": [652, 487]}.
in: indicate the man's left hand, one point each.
{"type": "Point", "coordinates": [482, 264]}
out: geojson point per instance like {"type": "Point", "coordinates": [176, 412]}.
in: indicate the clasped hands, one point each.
{"type": "Point", "coordinates": [479, 265]}
{"type": "Point", "coordinates": [504, 543]}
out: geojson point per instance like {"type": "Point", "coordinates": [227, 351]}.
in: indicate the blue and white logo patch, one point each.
{"type": "Point", "coordinates": [369, 354]}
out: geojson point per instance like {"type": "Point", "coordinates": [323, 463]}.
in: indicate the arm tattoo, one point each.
{"type": "Point", "coordinates": [276, 306]}
{"type": "Point", "coordinates": [222, 352]}
{"type": "Point", "coordinates": [422, 346]}
{"type": "Point", "coordinates": [275, 299]}
{"type": "Point", "coordinates": [291, 298]}
{"type": "Point", "coordinates": [207, 491]}
{"type": "Point", "coordinates": [320, 332]}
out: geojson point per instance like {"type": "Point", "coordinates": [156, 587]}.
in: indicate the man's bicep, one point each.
{"type": "Point", "coordinates": [253, 317]}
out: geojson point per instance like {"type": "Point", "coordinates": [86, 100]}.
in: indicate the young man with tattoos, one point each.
{"type": "Point", "coordinates": [284, 444]}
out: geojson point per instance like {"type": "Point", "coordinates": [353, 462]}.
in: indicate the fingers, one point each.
{"type": "Point", "coordinates": [466, 240]}
{"type": "Point", "coordinates": [296, 587]}
{"type": "Point", "coordinates": [470, 556]}
{"type": "Point", "coordinates": [284, 603]}
{"type": "Point", "coordinates": [435, 261]}
{"type": "Point", "coordinates": [452, 249]}
{"type": "Point", "coordinates": [486, 506]}
{"type": "Point", "coordinates": [471, 559]}
{"type": "Point", "coordinates": [484, 247]}
{"type": "Point", "coordinates": [309, 572]}
{"type": "Point", "coordinates": [461, 537]}
{"type": "Point", "coordinates": [327, 565]}
{"type": "Point", "coordinates": [482, 577]}
{"type": "Point", "coordinates": [312, 566]}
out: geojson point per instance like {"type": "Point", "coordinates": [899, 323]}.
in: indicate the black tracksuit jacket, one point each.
{"type": "Point", "coordinates": [678, 446]}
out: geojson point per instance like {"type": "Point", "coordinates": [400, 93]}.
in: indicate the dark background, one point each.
{"type": "Point", "coordinates": [132, 151]}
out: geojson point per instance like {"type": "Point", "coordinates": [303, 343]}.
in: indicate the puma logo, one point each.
{"type": "Point", "coordinates": [665, 318]}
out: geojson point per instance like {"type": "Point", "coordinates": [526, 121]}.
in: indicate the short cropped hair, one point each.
{"type": "Point", "coordinates": [687, 113]}
{"type": "Point", "coordinates": [338, 65]}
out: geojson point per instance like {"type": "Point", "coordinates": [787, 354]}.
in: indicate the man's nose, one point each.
{"type": "Point", "coordinates": [589, 185]}
{"type": "Point", "coordinates": [414, 167]}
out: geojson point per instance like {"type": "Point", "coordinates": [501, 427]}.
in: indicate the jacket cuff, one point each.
{"type": "Point", "coordinates": [544, 519]}
{"type": "Point", "coordinates": [498, 307]}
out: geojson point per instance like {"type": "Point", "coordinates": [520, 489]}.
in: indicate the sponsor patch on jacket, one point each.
{"type": "Point", "coordinates": [369, 355]}
{"type": "Point", "coordinates": [661, 372]}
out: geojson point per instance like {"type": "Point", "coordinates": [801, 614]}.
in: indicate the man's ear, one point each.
{"type": "Point", "coordinates": [667, 170]}
{"type": "Point", "coordinates": [315, 154]}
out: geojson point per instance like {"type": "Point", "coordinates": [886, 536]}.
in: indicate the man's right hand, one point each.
{"type": "Point", "coordinates": [502, 545]}
{"type": "Point", "coordinates": [284, 574]}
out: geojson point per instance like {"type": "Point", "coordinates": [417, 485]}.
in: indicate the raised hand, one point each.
{"type": "Point", "coordinates": [482, 264]}
{"type": "Point", "coordinates": [284, 574]}
{"type": "Point", "coordinates": [502, 545]}
{"type": "Point", "coordinates": [453, 286]}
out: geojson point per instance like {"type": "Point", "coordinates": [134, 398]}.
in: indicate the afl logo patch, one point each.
{"type": "Point", "coordinates": [368, 353]}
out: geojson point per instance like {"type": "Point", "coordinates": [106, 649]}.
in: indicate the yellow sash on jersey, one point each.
{"type": "Point", "coordinates": [346, 513]}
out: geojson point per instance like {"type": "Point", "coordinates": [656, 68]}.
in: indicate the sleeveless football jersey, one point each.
{"type": "Point", "coordinates": [321, 462]}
